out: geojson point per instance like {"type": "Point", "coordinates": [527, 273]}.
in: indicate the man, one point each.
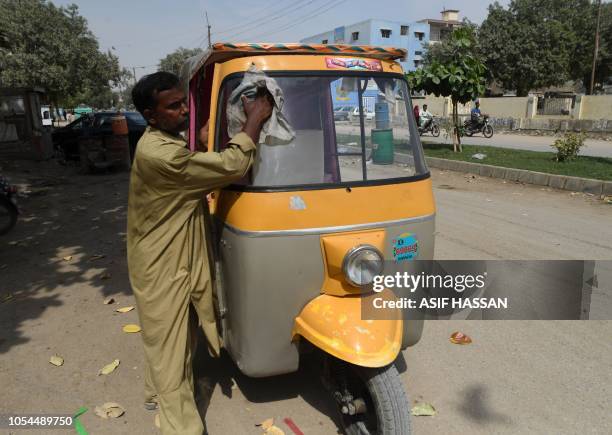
{"type": "Point", "coordinates": [167, 240]}
{"type": "Point", "coordinates": [475, 115]}
{"type": "Point", "coordinates": [425, 116]}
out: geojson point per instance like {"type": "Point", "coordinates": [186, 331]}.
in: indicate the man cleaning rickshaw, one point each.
{"type": "Point", "coordinates": [168, 240]}
{"type": "Point", "coordinates": [298, 239]}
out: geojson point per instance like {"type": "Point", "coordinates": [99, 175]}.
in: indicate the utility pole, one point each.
{"type": "Point", "coordinates": [596, 48]}
{"type": "Point", "coordinates": [208, 25]}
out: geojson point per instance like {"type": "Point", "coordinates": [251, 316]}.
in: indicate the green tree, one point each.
{"type": "Point", "coordinates": [541, 43]}
{"type": "Point", "coordinates": [51, 47]}
{"type": "Point", "coordinates": [173, 62]}
{"type": "Point", "coordinates": [459, 74]}
{"type": "Point", "coordinates": [581, 61]}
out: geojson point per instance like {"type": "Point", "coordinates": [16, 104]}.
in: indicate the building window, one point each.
{"type": "Point", "coordinates": [404, 30]}
{"type": "Point", "coordinates": [418, 53]}
{"type": "Point", "coordinates": [355, 36]}
{"type": "Point", "coordinates": [419, 35]}
{"type": "Point", "coordinates": [324, 41]}
{"type": "Point", "coordinates": [385, 33]}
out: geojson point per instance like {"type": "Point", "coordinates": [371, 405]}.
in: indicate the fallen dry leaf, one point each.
{"type": "Point", "coordinates": [124, 309]}
{"type": "Point", "coordinates": [157, 423]}
{"type": "Point", "coordinates": [109, 368]}
{"type": "Point", "coordinates": [68, 258]}
{"type": "Point", "coordinates": [96, 257]}
{"type": "Point", "coordinates": [131, 328]}
{"type": "Point", "coordinates": [274, 430]}
{"type": "Point", "coordinates": [266, 424]}
{"type": "Point", "coordinates": [109, 409]}
{"type": "Point", "coordinates": [423, 409]}
{"type": "Point", "coordinates": [109, 300]}
{"type": "Point", "coordinates": [460, 338]}
{"type": "Point", "coordinates": [56, 360]}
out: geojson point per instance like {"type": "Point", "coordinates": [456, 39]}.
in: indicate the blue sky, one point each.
{"type": "Point", "coordinates": [141, 32]}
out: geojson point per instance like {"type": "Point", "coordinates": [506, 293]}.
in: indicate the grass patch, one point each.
{"type": "Point", "coordinates": [599, 168]}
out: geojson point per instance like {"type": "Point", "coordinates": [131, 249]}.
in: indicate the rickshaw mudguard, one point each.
{"type": "Point", "coordinates": [334, 324]}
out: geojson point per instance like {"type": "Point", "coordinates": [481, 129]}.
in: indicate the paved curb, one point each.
{"type": "Point", "coordinates": [564, 182]}
{"type": "Point", "coordinates": [574, 184]}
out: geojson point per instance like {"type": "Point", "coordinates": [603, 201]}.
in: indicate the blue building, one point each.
{"type": "Point", "coordinates": [412, 36]}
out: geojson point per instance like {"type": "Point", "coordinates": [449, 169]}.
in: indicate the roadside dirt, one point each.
{"type": "Point", "coordinates": [67, 255]}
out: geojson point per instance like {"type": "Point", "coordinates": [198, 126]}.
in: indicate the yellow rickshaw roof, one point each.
{"type": "Point", "coordinates": [223, 51]}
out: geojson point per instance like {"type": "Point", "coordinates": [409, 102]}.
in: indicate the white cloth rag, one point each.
{"type": "Point", "coordinates": [276, 130]}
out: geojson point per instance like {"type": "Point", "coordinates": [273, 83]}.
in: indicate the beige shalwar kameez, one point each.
{"type": "Point", "coordinates": [168, 261]}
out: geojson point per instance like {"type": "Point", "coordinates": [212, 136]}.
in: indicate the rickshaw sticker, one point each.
{"type": "Point", "coordinates": [353, 64]}
{"type": "Point", "coordinates": [297, 203]}
{"type": "Point", "coordinates": [405, 247]}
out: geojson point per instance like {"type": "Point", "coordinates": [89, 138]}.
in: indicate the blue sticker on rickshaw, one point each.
{"type": "Point", "coordinates": [405, 247]}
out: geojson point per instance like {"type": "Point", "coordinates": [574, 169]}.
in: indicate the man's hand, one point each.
{"type": "Point", "coordinates": [203, 138]}
{"type": "Point", "coordinates": [257, 112]}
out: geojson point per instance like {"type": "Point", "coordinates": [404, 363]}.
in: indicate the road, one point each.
{"type": "Point", "coordinates": [516, 377]}
{"type": "Point", "coordinates": [593, 147]}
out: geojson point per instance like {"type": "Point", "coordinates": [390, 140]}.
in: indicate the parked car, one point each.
{"type": "Point", "coordinates": [66, 139]}
{"type": "Point", "coordinates": [368, 115]}
{"type": "Point", "coordinates": [343, 113]}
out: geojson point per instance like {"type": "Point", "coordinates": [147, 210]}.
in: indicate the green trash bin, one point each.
{"type": "Point", "coordinates": [382, 146]}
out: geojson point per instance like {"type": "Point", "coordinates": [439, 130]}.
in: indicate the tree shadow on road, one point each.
{"type": "Point", "coordinates": [69, 243]}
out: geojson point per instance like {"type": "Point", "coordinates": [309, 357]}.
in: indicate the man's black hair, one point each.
{"type": "Point", "coordinates": [144, 93]}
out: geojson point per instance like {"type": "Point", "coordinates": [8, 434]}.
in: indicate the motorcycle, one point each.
{"type": "Point", "coordinates": [433, 128]}
{"type": "Point", "coordinates": [472, 127]}
{"type": "Point", "coordinates": [8, 206]}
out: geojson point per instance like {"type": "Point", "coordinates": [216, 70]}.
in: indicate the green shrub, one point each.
{"type": "Point", "coordinates": [568, 146]}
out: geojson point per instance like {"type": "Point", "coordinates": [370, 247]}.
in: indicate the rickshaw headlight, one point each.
{"type": "Point", "coordinates": [361, 264]}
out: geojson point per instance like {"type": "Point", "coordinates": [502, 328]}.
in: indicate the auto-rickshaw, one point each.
{"type": "Point", "coordinates": [299, 239]}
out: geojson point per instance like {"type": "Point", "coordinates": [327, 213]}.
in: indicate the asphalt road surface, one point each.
{"type": "Point", "coordinates": [516, 377]}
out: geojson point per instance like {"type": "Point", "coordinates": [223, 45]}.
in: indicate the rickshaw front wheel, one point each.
{"type": "Point", "coordinates": [372, 401]}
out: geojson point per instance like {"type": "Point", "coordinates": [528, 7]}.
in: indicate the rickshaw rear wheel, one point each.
{"type": "Point", "coordinates": [372, 401]}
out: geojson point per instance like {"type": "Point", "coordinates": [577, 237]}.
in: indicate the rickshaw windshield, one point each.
{"type": "Point", "coordinates": [358, 147]}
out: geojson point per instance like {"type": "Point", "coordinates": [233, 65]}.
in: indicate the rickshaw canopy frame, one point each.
{"type": "Point", "coordinates": [223, 51]}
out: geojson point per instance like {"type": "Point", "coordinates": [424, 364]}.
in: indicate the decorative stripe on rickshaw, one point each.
{"type": "Point", "coordinates": [383, 53]}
